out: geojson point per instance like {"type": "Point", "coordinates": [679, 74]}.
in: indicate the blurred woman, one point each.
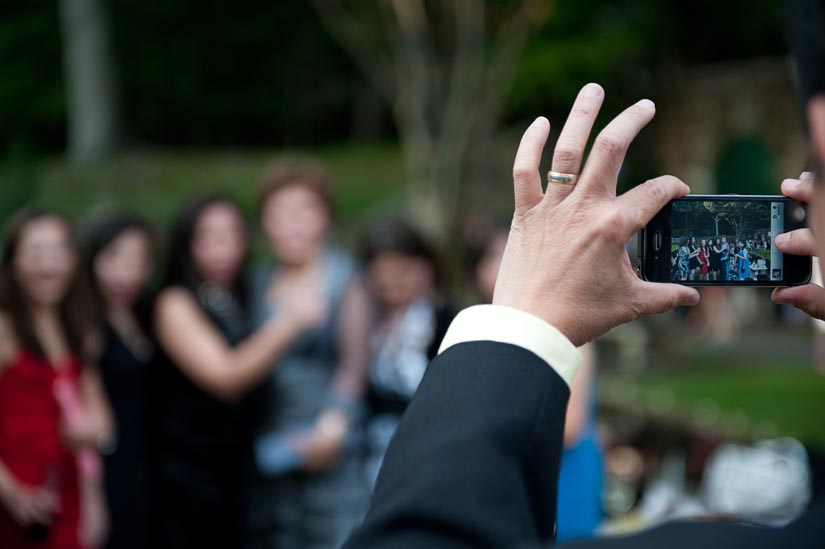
{"type": "Point", "coordinates": [743, 263]}
{"type": "Point", "coordinates": [52, 406]}
{"type": "Point", "coordinates": [581, 476]}
{"type": "Point", "coordinates": [119, 263]}
{"type": "Point", "coordinates": [693, 246]}
{"type": "Point", "coordinates": [704, 260]}
{"type": "Point", "coordinates": [683, 259]}
{"type": "Point", "coordinates": [207, 363]}
{"type": "Point", "coordinates": [311, 492]}
{"type": "Point", "coordinates": [715, 257]}
{"type": "Point", "coordinates": [413, 316]}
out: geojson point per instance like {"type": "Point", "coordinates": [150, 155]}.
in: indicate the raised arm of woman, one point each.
{"type": "Point", "coordinates": [203, 355]}
{"type": "Point", "coordinates": [321, 448]}
{"type": "Point", "coordinates": [354, 325]}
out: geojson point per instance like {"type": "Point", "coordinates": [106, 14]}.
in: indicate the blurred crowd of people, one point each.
{"type": "Point", "coordinates": [231, 405]}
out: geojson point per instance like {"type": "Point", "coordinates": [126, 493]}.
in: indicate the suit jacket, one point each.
{"type": "Point", "coordinates": [475, 462]}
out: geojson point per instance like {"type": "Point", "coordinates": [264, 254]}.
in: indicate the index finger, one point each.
{"type": "Point", "coordinates": [602, 167]}
{"type": "Point", "coordinates": [642, 202]}
{"type": "Point", "coordinates": [801, 189]}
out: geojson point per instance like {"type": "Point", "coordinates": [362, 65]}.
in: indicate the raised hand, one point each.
{"type": "Point", "coordinates": [565, 259]}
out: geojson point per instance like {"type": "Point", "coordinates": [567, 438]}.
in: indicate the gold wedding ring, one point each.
{"type": "Point", "coordinates": [562, 178]}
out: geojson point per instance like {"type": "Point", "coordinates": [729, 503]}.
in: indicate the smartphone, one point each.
{"type": "Point", "coordinates": [723, 240]}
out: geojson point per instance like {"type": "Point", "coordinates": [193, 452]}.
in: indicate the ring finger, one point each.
{"type": "Point", "coordinates": [567, 158]}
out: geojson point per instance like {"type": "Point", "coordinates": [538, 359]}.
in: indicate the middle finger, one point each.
{"type": "Point", "coordinates": [567, 157]}
{"type": "Point", "coordinates": [608, 152]}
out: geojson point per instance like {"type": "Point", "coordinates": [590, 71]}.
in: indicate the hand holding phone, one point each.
{"type": "Point", "coordinates": [809, 298]}
{"type": "Point", "coordinates": [724, 240]}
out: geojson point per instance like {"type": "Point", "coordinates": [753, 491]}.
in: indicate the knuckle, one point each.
{"type": "Point", "coordinates": [567, 152]}
{"type": "Point", "coordinates": [655, 191]}
{"type": "Point", "coordinates": [581, 112]}
{"type": "Point", "coordinates": [610, 225]}
{"type": "Point", "coordinates": [609, 145]}
{"type": "Point", "coordinates": [521, 172]}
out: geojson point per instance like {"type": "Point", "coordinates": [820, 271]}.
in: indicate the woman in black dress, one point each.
{"type": "Point", "coordinates": [694, 257]}
{"type": "Point", "coordinates": [209, 363]}
{"type": "Point", "coordinates": [119, 264]}
{"type": "Point", "coordinates": [715, 258]}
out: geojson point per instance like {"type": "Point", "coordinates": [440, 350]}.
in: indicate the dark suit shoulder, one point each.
{"type": "Point", "coordinates": [475, 458]}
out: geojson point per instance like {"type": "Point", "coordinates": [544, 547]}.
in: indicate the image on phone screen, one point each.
{"type": "Point", "coordinates": [713, 240]}
{"type": "Point", "coordinates": [726, 241]}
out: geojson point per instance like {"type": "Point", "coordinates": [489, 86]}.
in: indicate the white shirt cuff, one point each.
{"type": "Point", "coordinates": [516, 327]}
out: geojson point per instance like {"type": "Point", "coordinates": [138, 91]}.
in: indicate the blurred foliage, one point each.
{"type": "Point", "coordinates": [784, 393]}
{"type": "Point", "coordinates": [622, 44]}
{"type": "Point", "coordinates": [18, 179]}
{"type": "Point", "coordinates": [267, 73]}
{"type": "Point", "coordinates": [156, 183]}
{"type": "Point", "coordinates": [32, 101]}
{"type": "Point", "coordinates": [745, 167]}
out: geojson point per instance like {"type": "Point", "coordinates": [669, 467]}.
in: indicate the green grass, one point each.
{"type": "Point", "coordinates": [775, 398]}
{"type": "Point", "coordinates": [156, 182]}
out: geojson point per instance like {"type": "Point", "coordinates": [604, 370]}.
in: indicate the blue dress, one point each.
{"type": "Point", "coordinates": [744, 265]}
{"type": "Point", "coordinates": [725, 259]}
{"type": "Point", "coordinates": [290, 508]}
{"type": "Point", "coordinates": [581, 478]}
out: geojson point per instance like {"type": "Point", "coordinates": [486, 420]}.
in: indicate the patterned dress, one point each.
{"type": "Point", "coordinates": [290, 508]}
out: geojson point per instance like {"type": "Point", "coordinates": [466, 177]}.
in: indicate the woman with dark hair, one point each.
{"type": "Point", "coordinates": [704, 260]}
{"type": "Point", "coordinates": [683, 259]}
{"type": "Point", "coordinates": [413, 315]}
{"type": "Point", "coordinates": [208, 362]}
{"type": "Point", "coordinates": [53, 413]}
{"type": "Point", "coordinates": [724, 259]}
{"type": "Point", "coordinates": [693, 246]}
{"type": "Point", "coordinates": [715, 257]}
{"type": "Point", "coordinates": [118, 264]}
{"type": "Point", "coordinates": [309, 448]}
{"type": "Point", "coordinates": [743, 264]}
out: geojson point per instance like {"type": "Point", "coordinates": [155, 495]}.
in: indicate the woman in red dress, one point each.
{"type": "Point", "coordinates": [52, 411]}
{"type": "Point", "coordinates": [704, 260]}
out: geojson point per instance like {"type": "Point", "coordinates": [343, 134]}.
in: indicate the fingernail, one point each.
{"type": "Point", "coordinates": [646, 104]}
{"type": "Point", "coordinates": [538, 122]}
{"type": "Point", "coordinates": [781, 239]}
{"type": "Point", "coordinates": [694, 300]}
{"type": "Point", "coordinates": [592, 90]}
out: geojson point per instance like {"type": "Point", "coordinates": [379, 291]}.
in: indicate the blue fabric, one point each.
{"type": "Point", "coordinates": [579, 509]}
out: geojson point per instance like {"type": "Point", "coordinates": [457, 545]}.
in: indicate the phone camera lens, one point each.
{"type": "Point", "coordinates": [798, 214]}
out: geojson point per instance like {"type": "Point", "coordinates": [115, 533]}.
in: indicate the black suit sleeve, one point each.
{"type": "Point", "coordinates": [475, 459]}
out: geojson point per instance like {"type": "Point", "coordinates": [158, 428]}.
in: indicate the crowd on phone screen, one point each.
{"type": "Point", "coordinates": [719, 259]}
{"type": "Point", "coordinates": [234, 404]}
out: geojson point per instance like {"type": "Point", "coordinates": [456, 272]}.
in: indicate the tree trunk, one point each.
{"type": "Point", "coordinates": [92, 105]}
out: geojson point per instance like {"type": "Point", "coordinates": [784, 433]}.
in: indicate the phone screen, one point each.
{"type": "Point", "coordinates": [721, 240]}
{"type": "Point", "coordinates": [732, 240]}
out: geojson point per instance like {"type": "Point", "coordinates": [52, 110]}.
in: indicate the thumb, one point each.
{"type": "Point", "coordinates": [654, 298]}
{"type": "Point", "coordinates": [809, 298]}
